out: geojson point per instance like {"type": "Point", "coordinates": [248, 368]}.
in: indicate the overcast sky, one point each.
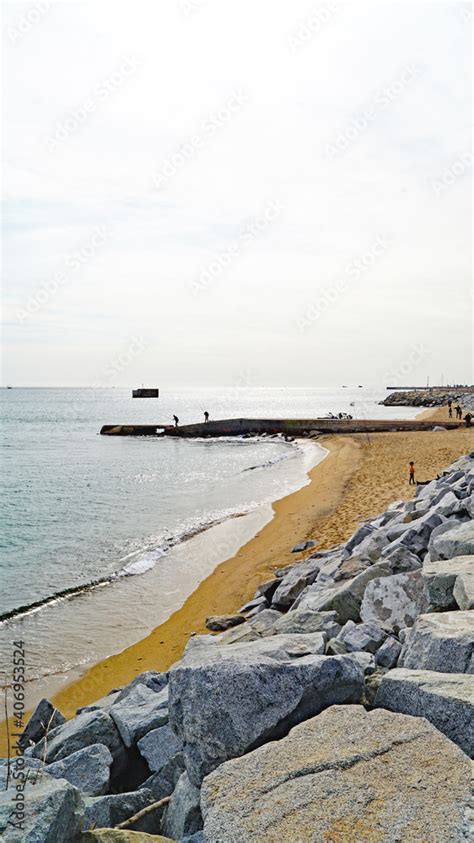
{"type": "Point", "coordinates": [255, 192]}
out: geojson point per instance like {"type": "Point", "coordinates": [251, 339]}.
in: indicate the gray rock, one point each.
{"type": "Point", "coordinates": [440, 577]}
{"type": "Point", "coordinates": [253, 604]}
{"type": "Point", "coordinates": [50, 812]}
{"type": "Point", "coordinates": [19, 766]}
{"type": "Point", "coordinates": [91, 727]}
{"type": "Point", "coordinates": [463, 591]}
{"type": "Point", "coordinates": [457, 540]}
{"type": "Point", "coordinates": [417, 536]}
{"type": "Point", "coordinates": [366, 661]}
{"type": "Point", "coordinates": [104, 704]}
{"type": "Point", "coordinates": [264, 622]}
{"type": "Point", "coordinates": [294, 583]}
{"type": "Point", "coordinates": [305, 621]}
{"type": "Point", "coordinates": [165, 780]}
{"type": "Point", "coordinates": [362, 636]}
{"type": "Point", "coordinates": [302, 546]}
{"type": "Point", "coordinates": [335, 647]}
{"type": "Point", "coordinates": [445, 699]}
{"type": "Point", "coordinates": [394, 602]}
{"type": "Point", "coordinates": [221, 705]}
{"type": "Point", "coordinates": [183, 813]}
{"type": "Point", "coordinates": [109, 811]}
{"type": "Point", "coordinates": [219, 623]}
{"type": "Point", "coordinates": [387, 655]}
{"type": "Point", "coordinates": [346, 775]}
{"type": "Point", "coordinates": [401, 560]}
{"type": "Point", "coordinates": [45, 716]}
{"type": "Point", "coordinates": [267, 589]}
{"type": "Point", "coordinates": [151, 679]}
{"type": "Point", "coordinates": [362, 533]}
{"type": "Point", "coordinates": [139, 712]}
{"type": "Point", "coordinates": [344, 599]}
{"type": "Point", "coordinates": [442, 642]}
{"type": "Point", "coordinates": [87, 769]}
{"type": "Point", "coordinates": [158, 747]}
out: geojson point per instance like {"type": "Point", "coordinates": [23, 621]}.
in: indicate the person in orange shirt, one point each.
{"type": "Point", "coordinates": [411, 471]}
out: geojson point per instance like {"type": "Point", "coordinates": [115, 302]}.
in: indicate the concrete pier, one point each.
{"type": "Point", "coordinates": [288, 427]}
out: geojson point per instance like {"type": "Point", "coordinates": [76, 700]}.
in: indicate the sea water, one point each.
{"type": "Point", "coordinates": [128, 527]}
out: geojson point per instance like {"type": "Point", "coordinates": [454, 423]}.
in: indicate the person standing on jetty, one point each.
{"type": "Point", "coordinates": [176, 421]}
{"type": "Point", "coordinates": [206, 417]}
{"type": "Point", "coordinates": [411, 472]}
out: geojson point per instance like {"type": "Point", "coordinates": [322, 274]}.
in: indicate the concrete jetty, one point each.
{"type": "Point", "coordinates": [288, 427]}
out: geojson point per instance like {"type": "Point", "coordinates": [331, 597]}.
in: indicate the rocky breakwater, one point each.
{"type": "Point", "coordinates": [436, 397]}
{"type": "Point", "coordinates": [336, 705]}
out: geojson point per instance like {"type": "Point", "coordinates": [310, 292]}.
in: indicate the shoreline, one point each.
{"type": "Point", "coordinates": [347, 486]}
{"type": "Point", "coordinates": [360, 475]}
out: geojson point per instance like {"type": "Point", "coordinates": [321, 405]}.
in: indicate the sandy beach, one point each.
{"type": "Point", "coordinates": [360, 476]}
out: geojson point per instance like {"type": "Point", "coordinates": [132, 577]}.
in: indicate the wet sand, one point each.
{"type": "Point", "coordinates": [361, 475]}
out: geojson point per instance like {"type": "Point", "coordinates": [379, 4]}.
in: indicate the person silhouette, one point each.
{"type": "Point", "coordinates": [176, 421]}
{"type": "Point", "coordinates": [206, 416]}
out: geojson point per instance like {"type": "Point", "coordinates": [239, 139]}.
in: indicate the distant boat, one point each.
{"type": "Point", "coordinates": [360, 386]}
{"type": "Point", "coordinates": [344, 386]}
{"type": "Point", "coordinates": [9, 387]}
{"type": "Point", "coordinates": [145, 393]}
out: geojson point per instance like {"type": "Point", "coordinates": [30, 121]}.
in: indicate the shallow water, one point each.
{"type": "Point", "coordinates": [152, 516]}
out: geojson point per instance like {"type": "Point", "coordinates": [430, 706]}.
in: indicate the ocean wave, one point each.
{"type": "Point", "coordinates": [137, 563]}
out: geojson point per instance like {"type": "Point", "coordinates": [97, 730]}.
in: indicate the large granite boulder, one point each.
{"type": "Point", "coordinates": [445, 699]}
{"type": "Point", "coordinates": [224, 702]}
{"type": "Point", "coordinates": [158, 747]}
{"type": "Point", "coordinates": [457, 540]}
{"type": "Point", "coordinates": [87, 769]}
{"type": "Point", "coordinates": [152, 679]}
{"type": "Point", "coordinates": [44, 717]}
{"type": "Point", "coordinates": [46, 811]}
{"type": "Point", "coordinates": [163, 782]}
{"type": "Point", "coordinates": [361, 636]}
{"type": "Point", "coordinates": [344, 599]}
{"type": "Point", "coordinates": [387, 655]}
{"type": "Point", "coordinates": [394, 602]}
{"type": "Point", "coordinates": [140, 711]}
{"type": "Point", "coordinates": [463, 591]}
{"type": "Point", "coordinates": [91, 727]}
{"type": "Point", "coordinates": [183, 813]}
{"type": "Point", "coordinates": [443, 642]}
{"type": "Point", "coordinates": [105, 811]}
{"type": "Point", "coordinates": [294, 582]}
{"type": "Point", "coordinates": [346, 775]}
{"type": "Point", "coordinates": [440, 578]}
{"type": "Point", "coordinates": [304, 621]}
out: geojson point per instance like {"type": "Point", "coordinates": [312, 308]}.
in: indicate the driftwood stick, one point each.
{"type": "Point", "coordinates": [149, 808]}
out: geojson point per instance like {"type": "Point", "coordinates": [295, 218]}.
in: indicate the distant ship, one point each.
{"type": "Point", "coordinates": [344, 386]}
{"type": "Point", "coordinates": [9, 387]}
{"type": "Point", "coordinates": [145, 393]}
{"type": "Point", "coordinates": [360, 386]}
